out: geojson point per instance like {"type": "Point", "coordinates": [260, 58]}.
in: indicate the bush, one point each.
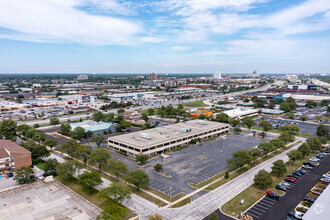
{"type": "Point", "coordinates": [263, 179]}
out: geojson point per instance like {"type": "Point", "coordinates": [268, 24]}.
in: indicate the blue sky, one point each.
{"type": "Point", "coordinates": [165, 36]}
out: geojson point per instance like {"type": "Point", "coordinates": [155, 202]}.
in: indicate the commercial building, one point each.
{"type": "Point", "coordinates": [240, 113]}
{"type": "Point", "coordinates": [301, 87]}
{"type": "Point", "coordinates": [13, 156]}
{"type": "Point", "coordinates": [157, 140]}
{"type": "Point", "coordinates": [95, 127]}
{"type": "Point", "coordinates": [199, 112]}
{"type": "Point", "coordinates": [217, 75]}
{"type": "Point", "coordinates": [153, 76]}
{"type": "Point", "coordinates": [320, 208]}
{"type": "Point", "coordinates": [82, 77]}
{"type": "Point", "coordinates": [293, 78]}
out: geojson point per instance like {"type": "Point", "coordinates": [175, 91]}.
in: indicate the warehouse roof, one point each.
{"type": "Point", "coordinates": [90, 125]}
{"type": "Point", "coordinates": [163, 134]}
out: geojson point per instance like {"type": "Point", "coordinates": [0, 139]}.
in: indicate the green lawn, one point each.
{"type": "Point", "coordinates": [252, 194]}
{"type": "Point", "coordinates": [279, 132]}
{"type": "Point", "coordinates": [41, 165]}
{"type": "Point", "coordinates": [195, 104]}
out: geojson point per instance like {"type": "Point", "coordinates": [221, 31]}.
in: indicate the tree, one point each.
{"type": "Point", "coordinates": [234, 122]}
{"type": "Point", "coordinates": [24, 175]}
{"type": "Point", "coordinates": [304, 149]}
{"type": "Point", "coordinates": [303, 118]}
{"type": "Point", "coordinates": [180, 106]}
{"type": "Point", "coordinates": [83, 151]}
{"type": "Point", "coordinates": [248, 122]}
{"type": "Point", "coordinates": [50, 167]}
{"type": "Point", "coordinates": [322, 131]}
{"type": "Point", "coordinates": [155, 217]}
{"type": "Point", "coordinates": [70, 147]}
{"type": "Point", "coordinates": [237, 129]}
{"type": "Point", "coordinates": [286, 138]}
{"type": "Point", "coordinates": [36, 125]}
{"type": "Point", "coordinates": [222, 117]}
{"type": "Point", "coordinates": [277, 144]}
{"type": "Point", "coordinates": [145, 117]}
{"type": "Point", "coordinates": [151, 111]}
{"type": "Point", "coordinates": [137, 177]}
{"type": "Point", "coordinates": [265, 125]}
{"type": "Point", "coordinates": [226, 174]}
{"type": "Point", "coordinates": [98, 116]}
{"type": "Point", "coordinates": [51, 143]}
{"type": "Point", "coordinates": [263, 179]}
{"type": "Point", "coordinates": [65, 128]}
{"type": "Point", "coordinates": [121, 111]}
{"type": "Point", "coordinates": [314, 143]}
{"type": "Point", "coordinates": [213, 216]}
{"type": "Point", "coordinates": [158, 167]}
{"type": "Point", "coordinates": [30, 133]}
{"type": "Point", "coordinates": [311, 103]}
{"type": "Point", "coordinates": [67, 169]}
{"type": "Point", "coordinates": [117, 167]}
{"type": "Point", "coordinates": [8, 129]}
{"type": "Point", "coordinates": [22, 129]}
{"type": "Point", "coordinates": [279, 168]}
{"type": "Point", "coordinates": [100, 156]}
{"type": "Point", "coordinates": [141, 158]}
{"type": "Point", "coordinates": [39, 137]}
{"type": "Point", "coordinates": [98, 139]}
{"type": "Point", "coordinates": [54, 121]}
{"type": "Point", "coordinates": [78, 133]}
{"type": "Point", "coordinates": [239, 159]}
{"type": "Point", "coordinates": [255, 153]}
{"type": "Point", "coordinates": [39, 151]}
{"type": "Point", "coordinates": [271, 105]}
{"type": "Point", "coordinates": [124, 124]}
{"type": "Point", "coordinates": [323, 140]}
{"type": "Point", "coordinates": [114, 192]}
{"type": "Point", "coordinates": [113, 212]}
{"type": "Point", "coordinates": [266, 147]}
{"type": "Point", "coordinates": [295, 155]}
{"type": "Point", "coordinates": [90, 179]}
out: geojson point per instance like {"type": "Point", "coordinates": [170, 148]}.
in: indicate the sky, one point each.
{"type": "Point", "coordinates": [164, 36]}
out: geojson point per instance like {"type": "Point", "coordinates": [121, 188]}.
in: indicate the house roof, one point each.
{"type": "Point", "coordinates": [12, 147]}
{"type": "Point", "coordinates": [3, 153]}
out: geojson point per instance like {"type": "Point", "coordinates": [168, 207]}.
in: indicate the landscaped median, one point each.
{"type": "Point", "coordinates": [253, 194]}
{"type": "Point", "coordinates": [279, 132]}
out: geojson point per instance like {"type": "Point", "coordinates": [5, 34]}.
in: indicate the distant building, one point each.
{"type": "Point", "coordinates": [82, 77]}
{"type": "Point", "coordinates": [293, 78]}
{"type": "Point", "coordinates": [301, 87]}
{"type": "Point", "coordinates": [95, 127]}
{"type": "Point", "coordinates": [153, 76]}
{"type": "Point", "coordinates": [13, 156]}
{"type": "Point", "coordinates": [255, 74]}
{"type": "Point", "coordinates": [240, 113]}
{"type": "Point", "coordinates": [217, 75]}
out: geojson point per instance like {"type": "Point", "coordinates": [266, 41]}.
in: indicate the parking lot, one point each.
{"type": "Point", "coordinates": [271, 209]}
{"type": "Point", "coordinates": [194, 164]}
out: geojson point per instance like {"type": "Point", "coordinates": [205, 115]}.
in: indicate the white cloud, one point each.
{"type": "Point", "coordinates": [61, 21]}
{"type": "Point", "coordinates": [180, 48]}
{"type": "Point", "coordinates": [152, 39]}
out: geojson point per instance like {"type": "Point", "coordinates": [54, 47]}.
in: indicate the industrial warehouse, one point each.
{"type": "Point", "coordinates": [157, 140]}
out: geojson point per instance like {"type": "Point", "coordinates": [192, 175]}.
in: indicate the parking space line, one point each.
{"type": "Point", "coordinates": [263, 211]}
{"type": "Point", "coordinates": [255, 212]}
{"type": "Point", "coordinates": [266, 202]}
{"type": "Point", "coordinates": [259, 206]}
{"type": "Point", "coordinates": [252, 215]}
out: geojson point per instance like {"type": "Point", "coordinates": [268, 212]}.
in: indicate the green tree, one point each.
{"type": "Point", "coordinates": [98, 139]}
{"type": "Point", "coordinates": [67, 169]}
{"type": "Point", "coordinates": [141, 158]}
{"type": "Point", "coordinates": [151, 111]}
{"type": "Point", "coordinates": [286, 138]}
{"type": "Point", "coordinates": [255, 153]}
{"type": "Point", "coordinates": [266, 147]}
{"type": "Point", "coordinates": [65, 128]}
{"type": "Point", "coordinates": [78, 133]}
{"type": "Point", "coordinates": [39, 137]}
{"type": "Point", "coordinates": [22, 129]}
{"type": "Point", "coordinates": [51, 143]}
{"type": "Point", "coordinates": [279, 168]}
{"type": "Point", "coordinates": [213, 216]}
{"type": "Point", "coordinates": [295, 155]}
{"type": "Point", "coordinates": [39, 151]}
{"type": "Point", "coordinates": [234, 122]}
{"type": "Point", "coordinates": [265, 125]}
{"type": "Point", "coordinates": [263, 179]}
{"type": "Point", "coordinates": [24, 175]}
{"type": "Point", "coordinates": [36, 125]}
{"type": "Point", "coordinates": [50, 167]}
{"type": "Point", "coordinates": [222, 117]}
{"type": "Point", "coordinates": [8, 129]}
{"type": "Point", "coordinates": [117, 167]}
{"type": "Point", "coordinates": [137, 177]}
{"type": "Point", "coordinates": [248, 122]}
{"type": "Point", "coordinates": [124, 124]}
{"type": "Point", "coordinates": [240, 158]}
{"type": "Point", "coordinates": [54, 121]}
{"type": "Point", "coordinates": [180, 106]}
{"type": "Point", "coordinates": [311, 104]}
{"type": "Point", "coordinates": [304, 149]}
{"type": "Point", "coordinates": [314, 143]}
{"type": "Point", "coordinates": [113, 212]}
{"type": "Point", "coordinates": [100, 156]}
{"type": "Point", "coordinates": [277, 144]}
{"type": "Point", "coordinates": [323, 140]}
{"type": "Point", "coordinates": [30, 133]}
{"type": "Point", "coordinates": [322, 131]}
{"type": "Point", "coordinates": [155, 217]}
{"type": "Point", "coordinates": [121, 111]}
{"type": "Point", "coordinates": [70, 147]}
{"type": "Point", "coordinates": [145, 117]}
{"type": "Point", "coordinates": [90, 180]}
{"type": "Point", "coordinates": [226, 175]}
{"type": "Point", "coordinates": [98, 116]}
{"type": "Point", "coordinates": [83, 151]}
{"type": "Point", "coordinates": [237, 129]}
{"type": "Point", "coordinates": [303, 118]}
{"type": "Point", "coordinates": [158, 167]}
{"type": "Point", "coordinates": [115, 192]}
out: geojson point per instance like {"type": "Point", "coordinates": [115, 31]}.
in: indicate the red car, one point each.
{"type": "Point", "coordinates": [292, 178]}
{"type": "Point", "coordinates": [272, 194]}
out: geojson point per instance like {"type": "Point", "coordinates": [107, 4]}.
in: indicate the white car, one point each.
{"type": "Point", "coordinates": [327, 180]}
{"type": "Point", "coordinates": [326, 175]}
{"type": "Point", "coordinates": [314, 159]}
{"type": "Point", "coordinates": [307, 167]}
{"type": "Point", "coordinates": [323, 153]}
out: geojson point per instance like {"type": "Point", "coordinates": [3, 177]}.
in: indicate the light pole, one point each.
{"type": "Point", "coordinates": [170, 196]}
{"type": "Point", "coordinates": [221, 143]}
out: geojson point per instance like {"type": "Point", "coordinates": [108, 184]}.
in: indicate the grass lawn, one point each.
{"type": "Point", "coordinates": [195, 104]}
{"type": "Point", "coordinates": [279, 132]}
{"type": "Point", "coordinates": [41, 165]}
{"type": "Point", "coordinates": [252, 194]}
{"type": "Point", "coordinates": [182, 203]}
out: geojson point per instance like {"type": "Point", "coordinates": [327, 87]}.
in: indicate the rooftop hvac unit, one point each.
{"type": "Point", "coordinates": [145, 136]}
{"type": "Point", "coordinates": [201, 122]}
{"type": "Point", "coordinates": [185, 130]}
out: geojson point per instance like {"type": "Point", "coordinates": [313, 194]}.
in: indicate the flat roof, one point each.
{"type": "Point", "coordinates": [240, 111]}
{"type": "Point", "coordinates": [320, 208]}
{"type": "Point", "coordinates": [165, 133]}
{"type": "Point", "coordinates": [90, 125]}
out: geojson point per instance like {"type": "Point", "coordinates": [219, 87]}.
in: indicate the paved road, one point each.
{"type": "Point", "coordinates": [202, 207]}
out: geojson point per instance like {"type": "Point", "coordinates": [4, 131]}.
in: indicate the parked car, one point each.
{"type": "Point", "coordinates": [286, 184]}
{"type": "Point", "coordinates": [296, 215]}
{"type": "Point", "coordinates": [291, 177]}
{"type": "Point", "coordinates": [314, 159]}
{"type": "Point", "coordinates": [303, 172]}
{"type": "Point", "coordinates": [281, 187]}
{"type": "Point", "coordinates": [307, 167]}
{"type": "Point", "coordinates": [320, 156]}
{"type": "Point", "coordinates": [323, 153]}
{"type": "Point", "coordinates": [272, 194]}
{"type": "Point", "coordinates": [297, 176]}
{"type": "Point", "coordinates": [309, 199]}
{"type": "Point", "coordinates": [297, 173]}
{"type": "Point", "coordinates": [326, 180]}
{"type": "Point", "coordinates": [309, 164]}
{"type": "Point", "coordinates": [289, 180]}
